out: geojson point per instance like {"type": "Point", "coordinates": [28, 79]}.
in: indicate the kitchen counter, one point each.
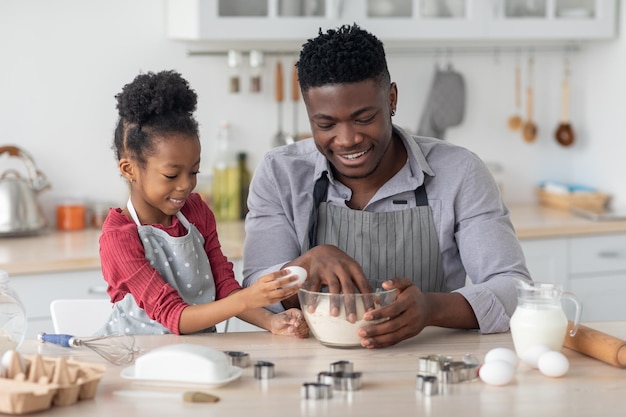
{"type": "Point", "coordinates": [56, 251]}
{"type": "Point", "coordinates": [534, 221]}
{"type": "Point", "coordinates": [388, 378]}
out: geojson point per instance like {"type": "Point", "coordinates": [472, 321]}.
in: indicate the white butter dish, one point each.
{"type": "Point", "coordinates": [183, 363]}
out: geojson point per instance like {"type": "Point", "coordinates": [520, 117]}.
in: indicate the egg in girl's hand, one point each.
{"type": "Point", "coordinates": [504, 354]}
{"type": "Point", "coordinates": [496, 372]}
{"type": "Point", "coordinates": [553, 364]}
{"type": "Point", "coordinates": [531, 355]}
{"type": "Point", "coordinates": [299, 272]}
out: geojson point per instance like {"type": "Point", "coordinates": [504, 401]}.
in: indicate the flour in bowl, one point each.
{"type": "Point", "coordinates": [335, 330]}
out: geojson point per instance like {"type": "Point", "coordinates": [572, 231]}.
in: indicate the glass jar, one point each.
{"type": "Point", "coordinates": [12, 316]}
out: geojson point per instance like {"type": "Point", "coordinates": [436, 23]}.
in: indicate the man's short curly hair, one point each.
{"type": "Point", "coordinates": [347, 54]}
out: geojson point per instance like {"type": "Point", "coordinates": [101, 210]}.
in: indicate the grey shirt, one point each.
{"type": "Point", "coordinates": [476, 237]}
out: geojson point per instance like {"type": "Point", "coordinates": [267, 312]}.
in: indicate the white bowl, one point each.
{"type": "Point", "coordinates": [337, 331]}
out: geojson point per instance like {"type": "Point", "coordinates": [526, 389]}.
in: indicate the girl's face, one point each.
{"type": "Point", "coordinates": [160, 188]}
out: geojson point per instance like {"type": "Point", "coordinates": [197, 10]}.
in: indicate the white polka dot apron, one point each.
{"type": "Point", "coordinates": [183, 264]}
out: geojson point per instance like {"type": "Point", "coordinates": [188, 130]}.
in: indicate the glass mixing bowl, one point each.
{"type": "Point", "coordinates": [336, 330]}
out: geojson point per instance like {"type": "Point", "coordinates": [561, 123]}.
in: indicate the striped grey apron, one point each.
{"type": "Point", "coordinates": [181, 261]}
{"type": "Point", "coordinates": [392, 244]}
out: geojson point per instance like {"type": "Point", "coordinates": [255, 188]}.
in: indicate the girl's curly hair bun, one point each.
{"type": "Point", "coordinates": [155, 95]}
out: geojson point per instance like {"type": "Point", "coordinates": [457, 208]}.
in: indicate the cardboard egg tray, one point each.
{"type": "Point", "coordinates": [46, 382]}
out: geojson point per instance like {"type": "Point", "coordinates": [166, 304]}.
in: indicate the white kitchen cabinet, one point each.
{"type": "Point", "coordinates": [546, 259]}
{"type": "Point", "coordinates": [592, 267]}
{"type": "Point", "coordinates": [401, 21]}
{"type": "Point", "coordinates": [37, 292]}
{"type": "Point", "coordinates": [553, 19]}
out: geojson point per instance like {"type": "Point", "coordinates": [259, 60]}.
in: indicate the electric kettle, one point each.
{"type": "Point", "coordinates": [20, 213]}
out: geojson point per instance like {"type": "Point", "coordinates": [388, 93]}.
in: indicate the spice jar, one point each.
{"type": "Point", "coordinates": [234, 64]}
{"type": "Point", "coordinates": [98, 213]}
{"type": "Point", "coordinates": [71, 215]}
{"type": "Point", "coordinates": [256, 68]}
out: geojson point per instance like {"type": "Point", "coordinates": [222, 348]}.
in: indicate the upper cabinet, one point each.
{"type": "Point", "coordinates": [267, 21]}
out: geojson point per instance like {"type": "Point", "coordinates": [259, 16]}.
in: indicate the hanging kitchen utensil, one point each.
{"type": "Point", "coordinates": [515, 121]}
{"type": "Point", "coordinates": [295, 98]}
{"type": "Point", "coordinates": [20, 213]}
{"type": "Point", "coordinates": [564, 133]}
{"type": "Point", "coordinates": [529, 129]}
{"type": "Point", "coordinates": [280, 138]}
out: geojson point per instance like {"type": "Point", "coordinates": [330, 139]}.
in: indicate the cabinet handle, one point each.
{"type": "Point", "coordinates": [609, 254]}
{"type": "Point", "coordinates": [97, 290]}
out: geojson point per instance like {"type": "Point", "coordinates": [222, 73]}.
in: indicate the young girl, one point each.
{"type": "Point", "coordinates": [160, 255]}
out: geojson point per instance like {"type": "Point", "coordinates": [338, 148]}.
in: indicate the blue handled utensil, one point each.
{"type": "Point", "coordinates": [117, 349]}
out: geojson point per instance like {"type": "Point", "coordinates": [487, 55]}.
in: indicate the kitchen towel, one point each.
{"type": "Point", "coordinates": [445, 105]}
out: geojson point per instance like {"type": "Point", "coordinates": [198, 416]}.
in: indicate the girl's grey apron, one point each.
{"type": "Point", "coordinates": [183, 264]}
{"type": "Point", "coordinates": [400, 243]}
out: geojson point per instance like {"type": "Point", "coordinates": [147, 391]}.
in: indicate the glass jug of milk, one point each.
{"type": "Point", "coordinates": [539, 318]}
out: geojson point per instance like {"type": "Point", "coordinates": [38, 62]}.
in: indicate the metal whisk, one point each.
{"type": "Point", "coordinates": [117, 349]}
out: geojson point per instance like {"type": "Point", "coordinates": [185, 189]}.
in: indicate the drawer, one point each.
{"type": "Point", "coordinates": [598, 254]}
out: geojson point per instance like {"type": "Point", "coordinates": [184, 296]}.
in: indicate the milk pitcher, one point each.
{"type": "Point", "coordinates": [539, 318]}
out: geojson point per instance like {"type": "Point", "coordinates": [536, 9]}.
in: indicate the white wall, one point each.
{"type": "Point", "coordinates": [63, 61]}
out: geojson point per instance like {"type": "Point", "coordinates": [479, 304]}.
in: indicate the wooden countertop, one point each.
{"type": "Point", "coordinates": [56, 251]}
{"type": "Point", "coordinates": [590, 388]}
{"type": "Point", "coordinates": [533, 221]}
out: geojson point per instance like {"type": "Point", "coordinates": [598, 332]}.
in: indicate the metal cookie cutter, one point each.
{"type": "Point", "coordinates": [341, 381]}
{"type": "Point", "coordinates": [427, 384]}
{"type": "Point", "coordinates": [439, 369]}
{"type": "Point", "coordinates": [341, 366]}
{"type": "Point", "coordinates": [263, 370]}
{"type": "Point", "coordinates": [240, 359]}
{"type": "Point", "coordinates": [316, 390]}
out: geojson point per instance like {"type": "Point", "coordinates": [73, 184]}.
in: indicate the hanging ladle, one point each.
{"type": "Point", "coordinates": [529, 130]}
{"type": "Point", "coordinates": [564, 133]}
{"type": "Point", "coordinates": [515, 121]}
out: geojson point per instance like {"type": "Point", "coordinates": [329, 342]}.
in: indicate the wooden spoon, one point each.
{"type": "Point", "coordinates": [515, 121]}
{"type": "Point", "coordinates": [564, 133]}
{"type": "Point", "coordinates": [529, 130]}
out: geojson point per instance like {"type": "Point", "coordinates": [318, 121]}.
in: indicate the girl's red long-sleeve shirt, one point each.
{"type": "Point", "coordinates": [126, 270]}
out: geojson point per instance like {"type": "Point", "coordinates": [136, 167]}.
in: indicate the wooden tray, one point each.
{"type": "Point", "coordinates": [593, 201]}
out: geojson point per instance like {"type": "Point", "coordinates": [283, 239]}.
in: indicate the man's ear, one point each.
{"type": "Point", "coordinates": [127, 169]}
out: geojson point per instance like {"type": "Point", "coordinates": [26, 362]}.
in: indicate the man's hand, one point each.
{"type": "Point", "coordinates": [328, 265]}
{"type": "Point", "coordinates": [412, 312]}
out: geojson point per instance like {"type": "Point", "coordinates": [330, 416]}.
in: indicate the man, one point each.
{"type": "Point", "coordinates": [364, 205]}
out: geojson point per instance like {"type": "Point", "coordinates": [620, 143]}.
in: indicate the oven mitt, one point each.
{"type": "Point", "coordinates": [445, 106]}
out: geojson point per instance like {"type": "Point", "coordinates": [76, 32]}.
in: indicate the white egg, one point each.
{"type": "Point", "coordinates": [7, 358]}
{"type": "Point", "coordinates": [531, 355]}
{"type": "Point", "coordinates": [496, 372]}
{"type": "Point", "coordinates": [504, 354]}
{"type": "Point", "coordinates": [297, 271]}
{"type": "Point", "coordinates": [553, 364]}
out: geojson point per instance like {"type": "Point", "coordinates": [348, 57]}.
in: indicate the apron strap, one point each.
{"type": "Point", "coordinates": [319, 194]}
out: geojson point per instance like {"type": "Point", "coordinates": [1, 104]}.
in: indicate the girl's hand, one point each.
{"type": "Point", "coordinates": [290, 323]}
{"type": "Point", "coordinates": [270, 289]}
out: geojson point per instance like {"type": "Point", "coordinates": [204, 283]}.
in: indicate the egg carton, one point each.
{"type": "Point", "coordinates": [31, 383]}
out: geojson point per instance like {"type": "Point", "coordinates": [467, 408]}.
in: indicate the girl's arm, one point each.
{"type": "Point", "coordinates": [269, 289]}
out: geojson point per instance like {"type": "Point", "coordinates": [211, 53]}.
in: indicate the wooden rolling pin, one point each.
{"type": "Point", "coordinates": [598, 345]}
